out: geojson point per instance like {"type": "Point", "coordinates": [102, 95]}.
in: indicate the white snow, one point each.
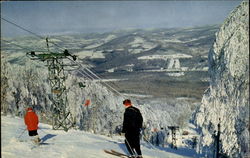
{"type": "Point", "coordinates": [139, 41]}
{"type": "Point", "coordinates": [71, 144]}
{"type": "Point", "coordinates": [93, 45]}
{"type": "Point", "coordinates": [119, 49]}
{"type": "Point", "coordinates": [90, 53]}
{"type": "Point", "coordinates": [137, 95]}
{"type": "Point", "coordinates": [174, 63]}
{"type": "Point", "coordinates": [176, 74]}
{"type": "Point", "coordinates": [131, 65]}
{"type": "Point", "coordinates": [109, 80]}
{"type": "Point", "coordinates": [53, 40]}
{"type": "Point", "coordinates": [111, 70]}
{"type": "Point", "coordinates": [135, 51]}
{"type": "Point", "coordinates": [164, 57]}
{"type": "Point", "coordinates": [173, 41]}
{"type": "Point", "coordinates": [109, 38]}
{"type": "Point", "coordinates": [226, 101]}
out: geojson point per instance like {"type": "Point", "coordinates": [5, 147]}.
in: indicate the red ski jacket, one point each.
{"type": "Point", "coordinates": [31, 120]}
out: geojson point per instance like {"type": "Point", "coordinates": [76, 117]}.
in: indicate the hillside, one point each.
{"type": "Point", "coordinates": [163, 71]}
{"type": "Point", "coordinates": [175, 58]}
{"type": "Point", "coordinates": [71, 144]}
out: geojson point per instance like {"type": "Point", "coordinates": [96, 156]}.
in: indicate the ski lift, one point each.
{"type": "Point", "coordinates": [56, 91]}
{"type": "Point", "coordinates": [87, 102]}
{"type": "Point", "coordinates": [47, 55]}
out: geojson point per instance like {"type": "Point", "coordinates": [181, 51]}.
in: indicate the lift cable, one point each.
{"type": "Point", "coordinates": [22, 28]}
{"type": "Point", "coordinates": [91, 72]}
{"type": "Point", "coordinates": [82, 71]}
{"type": "Point", "coordinates": [97, 77]}
{"type": "Point", "coordinates": [28, 49]}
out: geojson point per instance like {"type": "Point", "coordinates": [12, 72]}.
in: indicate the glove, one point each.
{"type": "Point", "coordinates": [141, 131]}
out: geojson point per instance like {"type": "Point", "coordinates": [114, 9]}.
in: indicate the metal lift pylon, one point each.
{"type": "Point", "coordinates": [61, 116]}
{"type": "Point", "coordinates": [174, 139]}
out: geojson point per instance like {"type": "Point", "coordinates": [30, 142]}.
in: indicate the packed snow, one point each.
{"type": "Point", "coordinates": [90, 53]}
{"type": "Point", "coordinates": [135, 51]}
{"type": "Point", "coordinates": [71, 144]}
{"type": "Point", "coordinates": [140, 42]}
{"type": "Point", "coordinates": [93, 45]}
{"type": "Point", "coordinates": [109, 80]}
{"type": "Point", "coordinates": [165, 57]}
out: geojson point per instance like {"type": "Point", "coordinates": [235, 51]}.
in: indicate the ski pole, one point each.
{"type": "Point", "coordinates": [151, 144]}
{"type": "Point", "coordinates": [133, 152]}
{"type": "Point", "coordinates": [43, 131]}
{"type": "Point", "coordinates": [21, 133]}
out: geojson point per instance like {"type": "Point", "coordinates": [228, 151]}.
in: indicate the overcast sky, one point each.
{"type": "Point", "coordinates": [51, 17]}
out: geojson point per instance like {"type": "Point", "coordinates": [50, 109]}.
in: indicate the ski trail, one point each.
{"type": "Point", "coordinates": [60, 144]}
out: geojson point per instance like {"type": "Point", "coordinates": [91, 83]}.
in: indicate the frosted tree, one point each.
{"type": "Point", "coordinates": [4, 84]}
{"type": "Point", "coordinates": [227, 99]}
{"type": "Point", "coordinates": [28, 86]}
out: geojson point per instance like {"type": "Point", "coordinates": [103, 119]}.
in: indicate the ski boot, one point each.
{"type": "Point", "coordinates": [36, 139]}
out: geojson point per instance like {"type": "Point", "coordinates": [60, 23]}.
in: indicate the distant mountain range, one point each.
{"type": "Point", "coordinates": [139, 50]}
{"type": "Point", "coordinates": [158, 62]}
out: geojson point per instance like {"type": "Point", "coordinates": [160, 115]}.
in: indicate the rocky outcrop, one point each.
{"type": "Point", "coordinates": [227, 99]}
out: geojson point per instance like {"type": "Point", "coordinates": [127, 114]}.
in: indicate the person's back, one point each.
{"type": "Point", "coordinates": [132, 124]}
{"type": "Point", "coordinates": [31, 121]}
{"type": "Point", "coordinates": [132, 120]}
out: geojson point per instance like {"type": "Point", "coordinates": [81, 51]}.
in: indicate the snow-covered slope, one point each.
{"type": "Point", "coordinates": [71, 144]}
{"type": "Point", "coordinates": [28, 86]}
{"type": "Point", "coordinates": [227, 99]}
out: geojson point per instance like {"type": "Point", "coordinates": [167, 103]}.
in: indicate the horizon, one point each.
{"type": "Point", "coordinates": [104, 32]}
{"type": "Point", "coordinates": [58, 18]}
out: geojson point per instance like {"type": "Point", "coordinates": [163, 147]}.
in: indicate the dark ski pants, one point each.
{"type": "Point", "coordinates": [33, 133]}
{"type": "Point", "coordinates": [133, 142]}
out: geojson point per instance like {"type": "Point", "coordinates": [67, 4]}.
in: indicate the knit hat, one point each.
{"type": "Point", "coordinates": [30, 108]}
{"type": "Point", "coordinates": [127, 102]}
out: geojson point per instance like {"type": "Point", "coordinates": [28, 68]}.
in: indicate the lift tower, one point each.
{"type": "Point", "coordinates": [61, 116]}
{"type": "Point", "coordinates": [174, 139]}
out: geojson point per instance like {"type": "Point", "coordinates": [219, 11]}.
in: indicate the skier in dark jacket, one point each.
{"type": "Point", "coordinates": [132, 125]}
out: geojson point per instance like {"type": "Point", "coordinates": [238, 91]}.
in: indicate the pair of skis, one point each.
{"type": "Point", "coordinates": [35, 145]}
{"type": "Point", "coordinates": [116, 153]}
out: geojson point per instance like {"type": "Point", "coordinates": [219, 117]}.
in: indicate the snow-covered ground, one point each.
{"type": "Point", "coordinates": [140, 42]}
{"type": "Point", "coordinates": [90, 53]}
{"type": "Point", "coordinates": [165, 57]}
{"type": "Point", "coordinates": [71, 144]}
{"type": "Point", "coordinates": [109, 80]}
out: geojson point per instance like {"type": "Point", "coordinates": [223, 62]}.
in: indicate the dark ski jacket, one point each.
{"type": "Point", "coordinates": [132, 122]}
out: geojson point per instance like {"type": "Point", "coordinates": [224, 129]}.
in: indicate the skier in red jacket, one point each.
{"type": "Point", "coordinates": [31, 121]}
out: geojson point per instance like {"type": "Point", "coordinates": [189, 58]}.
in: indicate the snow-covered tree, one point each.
{"type": "Point", "coordinates": [4, 84]}
{"type": "Point", "coordinates": [227, 99]}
